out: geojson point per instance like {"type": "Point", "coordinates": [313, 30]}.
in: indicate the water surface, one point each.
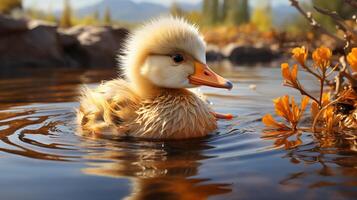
{"type": "Point", "coordinates": [41, 157]}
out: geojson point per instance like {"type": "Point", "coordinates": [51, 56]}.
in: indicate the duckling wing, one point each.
{"type": "Point", "coordinates": [107, 108]}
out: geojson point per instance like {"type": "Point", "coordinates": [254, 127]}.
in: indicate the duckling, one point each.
{"type": "Point", "coordinates": [162, 60]}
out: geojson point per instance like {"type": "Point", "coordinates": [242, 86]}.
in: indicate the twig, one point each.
{"type": "Point", "coordinates": [313, 22]}
{"type": "Point", "coordinates": [303, 92]}
{"type": "Point", "coordinates": [343, 72]}
{"type": "Point", "coordinates": [348, 31]}
{"type": "Point", "coordinates": [338, 85]}
{"type": "Point", "coordinates": [322, 109]}
{"type": "Point", "coordinates": [335, 17]}
{"type": "Point", "coordinates": [322, 83]}
{"type": "Point", "coordinates": [310, 71]}
{"type": "Point", "coordinates": [332, 70]}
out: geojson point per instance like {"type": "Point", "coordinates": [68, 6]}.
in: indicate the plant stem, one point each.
{"type": "Point", "coordinates": [322, 83]}
{"type": "Point", "coordinates": [310, 71]}
{"type": "Point", "coordinates": [303, 92]}
{"type": "Point", "coordinates": [320, 112]}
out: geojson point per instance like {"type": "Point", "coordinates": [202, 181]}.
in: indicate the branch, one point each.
{"type": "Point", "coordinates": [335, 17]}
{"type": "Point", "coordinates": [349, 33]}
{"type": "Point", "coordinates": [310, 71]}
{"type": "Point", "coordinates": [313, 22]}
{"type": "Point", "coordinates": [343, 72]}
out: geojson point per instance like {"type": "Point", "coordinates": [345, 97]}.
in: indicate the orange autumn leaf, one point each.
{"type": "Point", "coordinates": [352, 59]}
{"type": "Point", "coordinates": [269, 121]}
{"type": "Point", "coordinates": [283, 138]}
{"type": "Point", "coordinates": [271, 134]}
{"type": "Point", "coordinates": [300, 54]}
{"type": "Point", "coordinates": [321, 57]}
{"type": "Point", "coordinates": [287, 109]}
{"type": "Point", "coordinates": [330, 119]}
{"type": "Point", "coordinates": [304, 103]}
{"type": "Point", "coordinates": [288, 144]}
{"type": "Point", "coordinates": [315, 107]}
{"type": "Point", "coordinates": [282, 107]}
{"type": "Point", "coordinates": [290, 76]}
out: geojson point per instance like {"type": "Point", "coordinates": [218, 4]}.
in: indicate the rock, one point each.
{"type": "Point", "coordinates": [96, 47]}
{"type": "Point", "coordinates": [240, 54]}
{"type": "Point", "coordinates": [9, 25]}
{"type": "Point", "coordinates": [245, 54]}
{"type": "Point", "coordinates": [36, 23]}
{"type": "Point", "coordinates": [67, 41]}
{"type": "Point", "coordinates": [213, 53]}
{"type": "Point", "coordinates": [35, 46]}
{"type": "Point", "coordinates": [37, 43]}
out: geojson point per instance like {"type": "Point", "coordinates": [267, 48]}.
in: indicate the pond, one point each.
{"type": "Point", "coordinates": [41, 157]}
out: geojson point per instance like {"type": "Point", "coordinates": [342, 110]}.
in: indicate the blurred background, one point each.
{"type": "Point", "coordinates": [90, 33]}
{"type": "Point", "coordinates": [50, 48]}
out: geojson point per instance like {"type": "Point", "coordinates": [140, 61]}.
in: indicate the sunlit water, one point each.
{"type": "Point", "coordinates": [41, 157]}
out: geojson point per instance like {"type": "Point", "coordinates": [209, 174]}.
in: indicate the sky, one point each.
{"type": "Point", "coordinates": [57, 4]}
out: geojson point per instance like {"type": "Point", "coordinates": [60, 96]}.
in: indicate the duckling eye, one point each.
{"type": "Point", "coordinates": [177, 58]}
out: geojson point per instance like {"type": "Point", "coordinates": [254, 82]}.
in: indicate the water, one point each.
{"type": "Point", "coordinates": [41, 157]}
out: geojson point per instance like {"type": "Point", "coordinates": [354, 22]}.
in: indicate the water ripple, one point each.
{"type": "Point", "coordinates": [234, 162]}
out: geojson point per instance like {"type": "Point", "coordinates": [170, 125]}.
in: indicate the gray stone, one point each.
{"type": "Point", "coordinates": [41, 44]}
{"type": "Point", "coordinates": [248, 54]}
{"type": "Point", "coordinates": [37, 46]}
{"type": "Point", "coordinates": [9, 25]}
{"type": "Point", "coordinates": [97, 46]}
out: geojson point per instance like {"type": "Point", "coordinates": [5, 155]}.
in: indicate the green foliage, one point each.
{"type": "Point", "coordinates": [343, 9]}
{"type": "Point", "coordinates": [107, 17]}
{"type": "Point", "coordinates": [50, 17]}
{"type": "Point", "coordinates": [224, 9]}
{"type": "Point", "coordinates": [296, 25]}
{"type": "Point", "coordinates": [262, 17]}
{"type": "Point", "coordinates": [210, 11]}
{"type": "Point", "coordinates": [231, 12]}
{"type": "Point", "coordinates": [6, 6]}
{"type": "Point", "coordinates": [235, 12]}
{"type": "Point", "coordinates": [66, 18]}
{"type": "Point", "coordinates": [244, 11]}
{"type": "Point", "coordinates": [41, 15]}
{"type": "Point", "coordinates": [86, 21]}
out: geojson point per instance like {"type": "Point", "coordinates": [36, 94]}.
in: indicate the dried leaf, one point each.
{"type": "Point", "coordinates": [269, 121]}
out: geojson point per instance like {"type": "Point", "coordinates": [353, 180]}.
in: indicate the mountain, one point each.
{"type": "Point", "coordinates": [283, 13]}
{"type": "Point", "coordinates": [124, 10]}
{"type": "Point", "coordinates": [127, 10]}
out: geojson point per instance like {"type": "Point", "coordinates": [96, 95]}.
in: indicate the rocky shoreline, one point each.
{"type": "Point", "coordinates": [32, 43]}
{"type": "Point", "coordinates": [242, 54]}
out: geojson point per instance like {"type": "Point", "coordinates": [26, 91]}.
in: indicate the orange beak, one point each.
{"type": "Point", "coordinates": [205, 76]}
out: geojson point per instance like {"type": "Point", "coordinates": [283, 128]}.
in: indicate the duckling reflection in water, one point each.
{"type": "Point", "coordinates": [162, 60]}
{"type": "Point", "coordinates": [156, 171]}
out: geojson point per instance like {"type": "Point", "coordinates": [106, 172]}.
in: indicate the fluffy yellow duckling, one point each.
{"type": "Point", "coordinates": [162, 60]}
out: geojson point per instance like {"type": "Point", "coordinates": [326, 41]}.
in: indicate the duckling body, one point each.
{"type": "Point", "coordinates": [173, 114]}
{"type": "Point", "coordinates": [162, 59]}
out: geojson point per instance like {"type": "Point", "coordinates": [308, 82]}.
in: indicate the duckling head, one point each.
{"type": "Point", "coordinates": [168, 52]}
